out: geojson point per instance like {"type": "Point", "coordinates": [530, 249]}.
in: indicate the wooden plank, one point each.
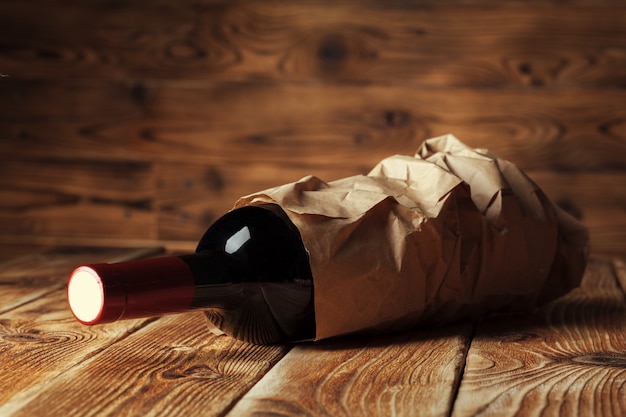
{"type": "Point", "coordinates": [567, 359]}
{"type": "Point", "coordinates": [331, 124]}
{"type": "Point", "coordinates": [40, 339]}
{"type": "Point", "coordinates": [597, 199]}
{"type": "Point", "coordinates": [26, 278]}
{"type": "Point", "coordinates": [11, 250]}
{"type": "Point", "coordinates": [69, 179]}
{"type": "Point", "coordinates": [172, 367]}
{"type": "Point", "coordinates": [576, 191]}
{"type": "Point", "coordinates": [179, 246]}
{"type": "Point", "coordinates": [619, 265]}
{"type": "Point", "coordinates": [61, 196]}
{"type": "Point", "coordinates": [607, 228]}
{"type": "Point", "coordinates": [192, 196]}
{"type": "Point", "coordinates": [461, 43]}
{"type": "Point", "coordinates": [317, 125]}
{"type": "Point", "coordinates": [415, 373]}
{"type": "Point", "coordinates": [81, 220]}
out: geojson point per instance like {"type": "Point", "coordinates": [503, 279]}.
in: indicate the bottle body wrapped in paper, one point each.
{"type": "Point", "coordinates": [450, 232]}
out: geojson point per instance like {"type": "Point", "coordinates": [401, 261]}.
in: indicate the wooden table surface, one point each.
{"type": "Point", "coordinates": [569, 358]}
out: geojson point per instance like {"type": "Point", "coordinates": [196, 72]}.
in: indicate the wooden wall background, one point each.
{"type": "Point", "coordinates": [143, 121]}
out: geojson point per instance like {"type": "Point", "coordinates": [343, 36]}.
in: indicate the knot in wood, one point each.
{"type": "Point", "coordinates": [333, 50]}
{"type": "Point", "coordinates": [602, 359]}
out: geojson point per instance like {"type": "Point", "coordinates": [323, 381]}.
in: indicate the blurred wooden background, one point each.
{"type": "Point", "coordinates": [143, 121]}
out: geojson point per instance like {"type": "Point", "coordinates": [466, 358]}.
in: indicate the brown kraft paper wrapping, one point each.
{"type": "Point", "coordinates": [449, 233]}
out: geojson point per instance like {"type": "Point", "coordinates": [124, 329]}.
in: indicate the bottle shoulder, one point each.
{"type": "Point", "coordinates": [272, 291]}
{"type": "Point", "coordinates": [261, 241]}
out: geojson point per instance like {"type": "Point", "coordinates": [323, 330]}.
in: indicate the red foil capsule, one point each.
{"type": "Point", "coordinates": [103, 293]}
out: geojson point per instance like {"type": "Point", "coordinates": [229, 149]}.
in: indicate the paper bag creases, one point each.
{"type": "Point", "coordinates": [450, 232]}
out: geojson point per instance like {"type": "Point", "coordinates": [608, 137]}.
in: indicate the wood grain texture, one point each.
{"type": "Point", "coordinates": [567, 359]}
{"type": "Point", "coordinates": [61, 196]}
{"type": "Point", "coordinates": [462, 43]}
{"type": "Point", "coordinates": [39, 339]}
{"type": "Point", "coordinates": [414, 374]}
{"type": "Point", "coordinates": [597, 199]}
{"type": "Point", "coordinates": [192, 196]}
{"type": "Point", "coordinates": [318, 125]}
{"type": "Point", "coordinates": [13, 250]}
{"type": "Point", "coordinates": [172, 367]}
{"type": "Point", "coordinates": [619, 266]}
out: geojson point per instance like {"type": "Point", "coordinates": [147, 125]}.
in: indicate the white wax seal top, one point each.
{"type": "Point", "coordinates": [85, 294]}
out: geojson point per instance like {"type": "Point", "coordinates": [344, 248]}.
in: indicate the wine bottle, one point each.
{"type": "Point", "coordinates": [250, 274]}
{"type": "Point", "coordinates": [450, 233]}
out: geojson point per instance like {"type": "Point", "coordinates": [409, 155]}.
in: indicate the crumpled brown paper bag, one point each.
{"type": "Point", "coordinates": [448, 233]}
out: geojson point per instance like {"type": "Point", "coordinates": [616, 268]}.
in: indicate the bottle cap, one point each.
{"type": "Point", "coordinates": [103, 293]}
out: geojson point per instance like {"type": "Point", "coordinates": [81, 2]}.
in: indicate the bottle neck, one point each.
{"type": "Point", "coordinates": [104, 293]}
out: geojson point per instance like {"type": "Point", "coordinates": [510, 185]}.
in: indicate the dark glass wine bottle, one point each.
{"type": "Point", "coordinates": [250, 274]}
